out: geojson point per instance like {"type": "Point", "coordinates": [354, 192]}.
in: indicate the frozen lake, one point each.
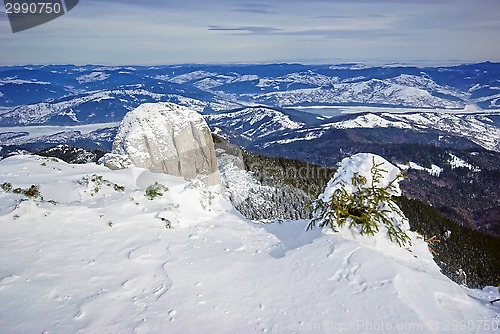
{"type": "Point", "coordinates": [332, 111]}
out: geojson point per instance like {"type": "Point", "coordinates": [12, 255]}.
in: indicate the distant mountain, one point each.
{"type": "Point", "coordinates": [71, 95]}
{"type": "Point", "coordinates": [68, 94]}
{"type": "Point", "coordinates": [265, 128]}
{"type": "Point", "coordinates": [404, 90]}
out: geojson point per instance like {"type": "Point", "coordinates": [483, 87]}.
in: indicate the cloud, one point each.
{"type": "Point", "coordinates": [335, 17]}
{"type": "Point", "coordinates": [360, 34]}
{"type": "Point", "coordinates": [249, 29]}
{"type": "Point", "coordinates": [254, 11]}
{"type": "Point", "coordinates": [333, 33]}
{"type": "Point", "coordinates": [255, 8]}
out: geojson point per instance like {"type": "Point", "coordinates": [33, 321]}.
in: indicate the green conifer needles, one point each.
{"type": "Point", "coordinates": [365, 204]}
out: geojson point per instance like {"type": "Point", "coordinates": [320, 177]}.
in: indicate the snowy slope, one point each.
{"type": "Point", "coordinates": [103, 262]}
{"type": "Point", "coordinates": [367, 121]}
{"type": "Point", "coordinates": [253, 122]}
{"type": "Point", "coordinates": [371, 92]}
{"type": "Point", "coordinates": [98, 106]}
{"type": "Point", "coordinates": [95, 135]}
{"type": "Point", "coordinates": [271, 126]}
{"type": "Point", "coordinates": [476, 127]}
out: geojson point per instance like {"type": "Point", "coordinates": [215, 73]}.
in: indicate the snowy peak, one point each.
{"type": "Point", "coordinates": [370, 92]}
{"type": "Point", "coordinates": [367, 121]}
{"type": "Point", "coordinates": [253, 122]}
{"type": "Point", "coordinates": [92, 77]}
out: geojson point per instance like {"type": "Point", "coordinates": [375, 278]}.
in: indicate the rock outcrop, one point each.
{"type": "Point", "coordinates": [165, 138]}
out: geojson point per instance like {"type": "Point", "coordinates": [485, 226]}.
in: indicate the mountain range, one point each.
{"type": "Point", "coordinates": [69, 94]}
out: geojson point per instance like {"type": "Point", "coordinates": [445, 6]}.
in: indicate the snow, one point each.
{"type": "Point", "coordinates": [34, 133]}
{"type": "Point", "coordinates": [434, 170]}
{"type": "Point", "coordinates": [456, 162]}
{"type": "Point", "coordinates": [333, 110]}
{"type": "Point", "coordinates": [246, 77]}
{"type": "Point", "coordinates": [103, 262]}
{"type": "Point", "coordinates": [208, 83]}
{"type": "Point", "coordinates": [254, 197]}
{"type": "Point", "coordinates": [263, 121]}
{"type": "Point", "coordinates": [40, 113]}
{"type": "Point", "coordinates": [16, 81]}
{"type": "Point", "coordinates": [471, 127]}
{"type": "Point", "coordinates": [362, 164]}
{"type": "Point", "coordinates": [309, 77]}
{"type": "Point", "coordinates": [372, 91]}
{"type": "Point", "coordinates": [367, 121]}
{"type": "Point", "coordinates": [162, 77]}
{"type": "Point", "coordinates": [424, 82]}
{"type": "Point", "coordinates": [196, 75]}
{"type": "Point", "coordinates": [476, 127]}
{"type": "Point", "coordinates": [149, 112]}
{"type": "Point", "coordinates": [43, 112]}
{"type": "Point", "coordinates": [310, 135]}
{"type": "Point", "coordinates": [92, 77]}
{"type": "Point", "coordinates": [238, 183]}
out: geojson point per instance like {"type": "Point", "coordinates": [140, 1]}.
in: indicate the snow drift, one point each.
{"type": "Point", "coordinates": [165, 138]}
{"type": "Point", "coordinates": [97, 256]}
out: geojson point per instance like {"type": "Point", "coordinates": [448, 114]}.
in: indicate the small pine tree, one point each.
{"type": "Point", "coordinates": [367, 205]}
{"type": "Point", "coordinates": [155, 190]}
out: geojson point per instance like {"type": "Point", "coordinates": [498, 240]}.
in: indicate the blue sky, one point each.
{"type": "Point", "coordinates": [117, 32]}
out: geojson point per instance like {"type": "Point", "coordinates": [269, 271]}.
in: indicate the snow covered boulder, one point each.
{"type": "Point", "coordinates": [165, 138]}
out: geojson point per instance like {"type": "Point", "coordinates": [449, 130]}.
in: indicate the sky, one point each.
{"type": "Point", "coordinates": [154, 32]}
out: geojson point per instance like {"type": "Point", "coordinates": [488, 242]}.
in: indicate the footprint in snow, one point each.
{"type": "Point", "coordinates": [348, 274]}
{"type": "Point", "coordinates": [8, 279]}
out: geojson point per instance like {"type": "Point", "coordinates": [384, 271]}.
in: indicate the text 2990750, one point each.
{"type": "Point", "coordinates": [33, 8]}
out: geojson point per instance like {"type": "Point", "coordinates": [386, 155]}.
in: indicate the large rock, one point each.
{"type": "Point", "coordinates": [165, 138]}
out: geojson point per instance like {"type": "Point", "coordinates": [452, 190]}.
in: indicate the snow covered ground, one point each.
{"type": "Point", "coordinates": [434, 170]}
{"type": "Point", "coordinates": [101, 260]}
